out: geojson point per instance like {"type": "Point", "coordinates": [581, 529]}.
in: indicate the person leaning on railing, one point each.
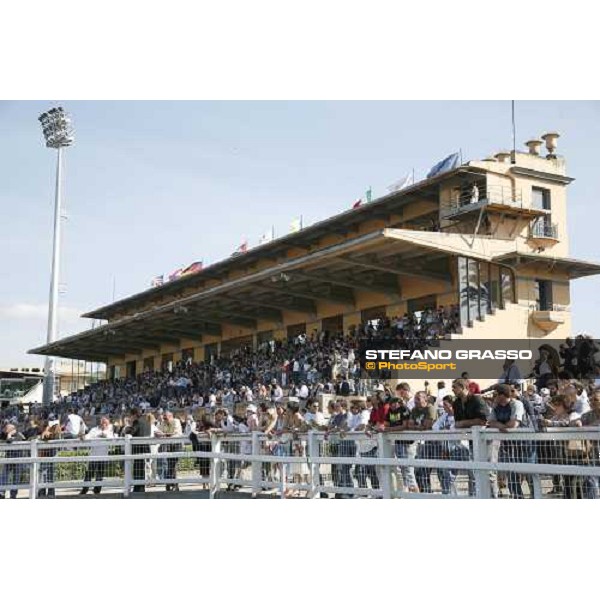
{"type": "Point", "coordinates": [339, 446]}
{"type": "Point", "coordinates": [508, 414]}
{"type": "Point", "coordinates": [422, 417]}
{"type": "Point", "coordinates": [397, 419]}
{"type": "Point", "coordinates": [170, 427]}
{"type": "Point", "coordinates": [470, 410]}
{"type": "Point", "coordinates": [562, 414]}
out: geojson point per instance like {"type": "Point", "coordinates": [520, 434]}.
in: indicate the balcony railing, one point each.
{"type": "Point", "coordinates": [544, 230]}
{"type": "Point", "coordinates": [473, 199]}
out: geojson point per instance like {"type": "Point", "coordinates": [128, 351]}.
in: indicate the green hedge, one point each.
{"type": "Point", "coordinates": [76, 471]}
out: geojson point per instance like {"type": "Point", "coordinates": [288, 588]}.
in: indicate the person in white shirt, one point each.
{"type": "Point", "coordinates": [314, 418]}
{"type": "Point", "coordinates": [303, 392]}
{"type": "Point", "coordinates": [190, 426]}
{"type": "Point", "coordinates": [96, 469]}
{"type": "Point", "coordinates": [579, 402]}
{"type": "Point", "coordinates": [445, 422]}
{"type": "Point", "coordinates": [276, 392]}
{"type": "Point", "coordinates": [75, 426]}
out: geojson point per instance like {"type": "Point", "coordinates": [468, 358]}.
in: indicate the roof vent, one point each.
{"type": "Point", "coordinates": [503, 156]}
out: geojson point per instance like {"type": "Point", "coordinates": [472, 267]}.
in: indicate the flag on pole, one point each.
{"type": "Point", "coordinates": [447, 164]}
{"type": "Point", "coordinates": [368, 194]}
{"type": "Point", "coordinates": [296, 224]}
{"type": "Point", "coordinates": [175, 274]}
{"type": "Point", "coordinates": [357, 203]}
{"type": "Point", "coordinates": [243, 247]}
{"type": "Point", "coordinates": [407, 180]}
{"type": "Point", "coordinates": [157, 281]}
{"type": "Point", "coordinates": [195, 267]}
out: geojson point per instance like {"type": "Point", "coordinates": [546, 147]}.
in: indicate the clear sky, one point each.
{"type": "Point", "coordinates": [153, 186]}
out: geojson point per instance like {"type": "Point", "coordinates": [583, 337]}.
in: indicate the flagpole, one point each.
{"type": "Point", "coordinates": [272, 232]}
{"type": "Point", "coordinates": [514, 155]}
{"type": "Point", "coordinates": [301, 222]}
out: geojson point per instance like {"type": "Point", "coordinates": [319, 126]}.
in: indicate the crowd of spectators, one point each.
{"type": "Point", "coordinates": [302, 366]}
{"type": "Point", "coordinates": [276, 389]}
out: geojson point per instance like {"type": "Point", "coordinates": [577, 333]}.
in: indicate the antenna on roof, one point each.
{"type": "Point", "coordinates": [513, 158]}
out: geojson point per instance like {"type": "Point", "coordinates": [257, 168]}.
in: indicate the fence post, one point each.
{"type": "Point", "coordinates": [482, 481]}
{"type": "Point", "coordinates": [215, 465]}
{"type": "Point", "coordinates": [127, 468]}
{"type": "Point", "coordinates": [284, 472]}
{"type": "Point", "coordinates": [256, 464]}
{"type": "Point", "coordinates": [33, 470]}
{"type": "Point", "coordinates": [313, 468]}
{"type": "Point", "coordinates": [384, 450]}
{"type": "Point", "coordinates": [537, 492]}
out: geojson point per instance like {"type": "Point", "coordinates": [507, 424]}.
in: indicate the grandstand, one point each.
{"type": "Point", "coordinates": [489, 236]}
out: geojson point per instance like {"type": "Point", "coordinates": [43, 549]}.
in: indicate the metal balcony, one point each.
{"type": "Point", "coordinates": [544, 230]}
{"type": "Point", "coordinates": [502, 199]}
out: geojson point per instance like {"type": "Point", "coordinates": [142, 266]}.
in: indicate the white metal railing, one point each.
{"type": "Point", "coordinates": [491, 194]}
{"type": "Point", "coordinates": [461, 463]}
{"type": "Point", "coordinates": [543, 229]}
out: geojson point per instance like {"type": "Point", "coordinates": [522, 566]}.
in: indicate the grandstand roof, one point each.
{"type": "Point", "coordinates": [341, 224]}
{"type": "Point", "coordinates": [376, 262]}
{"type": "Point", "coordinates": [574, 268]}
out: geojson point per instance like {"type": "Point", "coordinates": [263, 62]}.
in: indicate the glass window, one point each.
{"type": "Point", "coordinates": [463, 290]}
{"type": "Point", "coordinates": [543, 294]}
{"type": "Point", "coordinates": [540, 198]}
{"type": "Point", "coordinates": [474, 291]}
{"type": "Point", "coordinates": [485, 299]}
{"type": "Point", "coordinates": [507, 284]}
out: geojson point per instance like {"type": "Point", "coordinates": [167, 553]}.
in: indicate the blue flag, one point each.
{"type": "Point", "coordinates": [449, 163]}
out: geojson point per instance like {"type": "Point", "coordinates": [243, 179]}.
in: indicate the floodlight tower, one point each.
{"type": "Point", "coordinates": [58, 133]}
